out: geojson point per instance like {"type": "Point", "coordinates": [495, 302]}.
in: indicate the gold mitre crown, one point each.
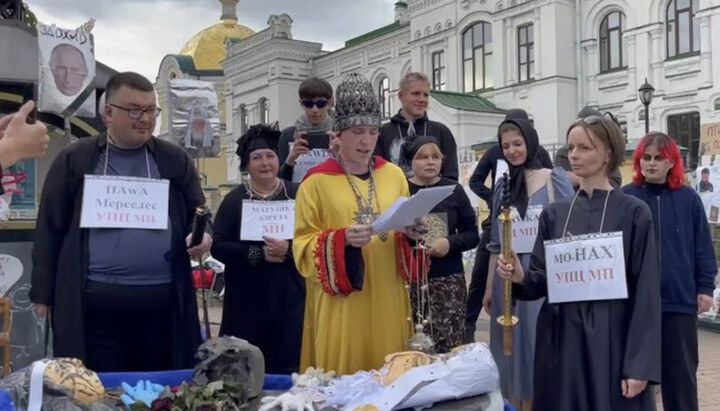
{"type": "Point", "coordinates": [356, 104]}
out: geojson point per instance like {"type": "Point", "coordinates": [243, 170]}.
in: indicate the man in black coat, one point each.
{"type": "Point", "coordinates": [120, 298]}
{"type": "Point", "coordinates": [411, 121]}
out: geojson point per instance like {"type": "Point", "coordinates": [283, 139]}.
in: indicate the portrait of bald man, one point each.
{"type": "Point", "coordinates": [69, 69]}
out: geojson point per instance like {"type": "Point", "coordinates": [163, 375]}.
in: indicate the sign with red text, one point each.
{"type": "Point", "coordinates": [274, 219]}
{"type": "Point", "coordinates": [524, 231]}
{"type": "Point", "coordinates": [125, 202]}
{"type": "Point", "coordinates": [589, 267]}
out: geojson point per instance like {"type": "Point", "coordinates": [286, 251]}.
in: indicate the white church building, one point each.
{"type": "Point", "coordinates": [549, 57]}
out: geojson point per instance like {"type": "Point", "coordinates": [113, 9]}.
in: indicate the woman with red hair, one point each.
{"type": "Point", "coordinates": [687, 262]}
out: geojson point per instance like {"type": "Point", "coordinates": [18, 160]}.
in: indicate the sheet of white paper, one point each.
{"type": "Point", "coordinates": [404, 211]}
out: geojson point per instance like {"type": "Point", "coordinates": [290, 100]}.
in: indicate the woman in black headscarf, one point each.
{"type": "Point", "coordinates": [264, 294]}
{"type": "Point", "coordinates": [532, 187]}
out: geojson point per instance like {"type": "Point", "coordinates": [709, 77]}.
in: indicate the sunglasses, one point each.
{"type": "Point", "coordinates": [320, 103]}
{"type": "Point", "coordinates": [595, 120]}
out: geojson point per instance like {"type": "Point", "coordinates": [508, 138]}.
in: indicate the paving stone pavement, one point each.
{"type": "Point", "coordinates": [708, 371]}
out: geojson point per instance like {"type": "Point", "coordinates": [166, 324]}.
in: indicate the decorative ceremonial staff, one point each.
{"type": "Point", "coordinates": [420, 341]}
{"type": "Point", "coordinates": [202, 215]}
{"type": "Point", "coordinates": [507, 320]}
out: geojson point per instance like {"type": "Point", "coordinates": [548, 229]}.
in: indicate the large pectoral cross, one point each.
{"type": "Point", "coordinates": [366, 215]}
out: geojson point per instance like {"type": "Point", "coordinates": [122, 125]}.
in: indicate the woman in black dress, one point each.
{"type": "Point", "coordinates": [599, 352]}
{"type": "Point", "coordinates": [264, 294]}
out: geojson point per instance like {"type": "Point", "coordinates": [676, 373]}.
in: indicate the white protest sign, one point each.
{"type": "Point", "coordinates": [11, 270]}
{"type": "Point", "coordinates": [524, 231]}
{"type": "Point", "coordinates": [307, 161]}
{"type": "Point", "coordinates": [125, 202]}
{"type": "Point", "coordinates": [274, 219]}
{"type": "Point", "coordinates": [589, 267]}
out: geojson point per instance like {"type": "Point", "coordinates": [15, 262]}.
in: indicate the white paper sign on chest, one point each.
{"type": "Point", "coordinates": [525, 230]}
{"type": "Point", "coordinates": [589, 267]}
{"type": "Point", "coordinates": [274, 219]}
{"type": "Point", "coordinates": [125, 202]}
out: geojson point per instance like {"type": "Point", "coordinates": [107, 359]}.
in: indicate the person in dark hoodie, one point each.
{"type": "Point", "coordinates": [412, 121]}
{"type": "Point", "coordinates": [532, 188]}
{"type": "Point", "coordinates": [451, 229]}
{"type": "Point", "coordinates": [687, 262]}
{"type": "Point", "coordinates": [488, 166]}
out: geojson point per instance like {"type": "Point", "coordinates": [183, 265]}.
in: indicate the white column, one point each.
{"type": "Point", "coordinates": [705, 51]}
{"type": "Point", "coordinates": [537, 44]}
{"type": "Point", "coordinates": [452, 64]}
{"type": "Point", "coordinates": [591, 52]}
{"type": "Point", "coordinates": [632, 66]}
{"type": "Point", "coordinates": [656, 45]}
{"type": "Point", "coordinates": [510, 48]}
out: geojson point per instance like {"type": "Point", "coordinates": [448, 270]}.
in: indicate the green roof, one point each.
{"type": "Point", "coordinates": [374, 34]}
{"type": "Point", "coordinates": [187, 66]}
{"type": "Point", "coordinates": [235, 40]}
{"type": "Point", "coordinates": [465, 101]}
{"type": "Point", "coordinates": [484, 144]}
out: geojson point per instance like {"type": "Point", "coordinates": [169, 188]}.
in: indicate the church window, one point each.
{"type": "Point", "coordinates": [477, 57]}
{"type": "Point", "coordinates": [526, 53]}
{"type": "Point", "coordinates": [264, 111]}
{"type": "Point", "coordinates": [683, 33]}
{"type": "Point", "coordinates": [384, 97]}
{"type": "Point", "coordinates": [438, 70]}
{"type": "Point", "coordinates": [613, 50]}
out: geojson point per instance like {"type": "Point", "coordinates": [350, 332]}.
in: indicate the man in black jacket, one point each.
{"type": "Point", "coordinates": [412, 121]}
{"type": "Point", "coordinates": [121, 296]}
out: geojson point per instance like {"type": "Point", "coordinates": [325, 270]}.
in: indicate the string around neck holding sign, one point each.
{"type": "Point", "coordinates": [572, 205]}
{"type": "Point", "coordinates": [107, 155]}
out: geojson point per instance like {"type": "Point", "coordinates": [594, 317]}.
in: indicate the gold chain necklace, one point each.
{"type": "Point", "coordinates": [365, 213]}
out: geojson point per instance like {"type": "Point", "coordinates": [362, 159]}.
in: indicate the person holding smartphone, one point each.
{"type": "Point", "coordinates": [311, 140]}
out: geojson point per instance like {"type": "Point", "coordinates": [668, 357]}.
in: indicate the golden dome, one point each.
{"type": "Point", "coordinates": [207, 47]}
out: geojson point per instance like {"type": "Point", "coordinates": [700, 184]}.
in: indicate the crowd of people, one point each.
{"type": "Point", "coordinates": [338, 294]}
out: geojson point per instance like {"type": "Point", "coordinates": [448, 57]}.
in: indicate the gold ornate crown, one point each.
{"type": "Point", "coordinates": [356, 104]}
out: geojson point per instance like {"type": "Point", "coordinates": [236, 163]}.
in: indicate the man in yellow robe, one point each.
{"type": "Point", "coordinates": [357, 305]}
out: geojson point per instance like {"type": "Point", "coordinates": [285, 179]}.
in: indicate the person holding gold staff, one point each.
{"type": "Point", "coordinates": [596, 261]}
{"type": "Point", "coordinates": [531, 189]}
{"type": "Point", "coordinates": [357, 307]}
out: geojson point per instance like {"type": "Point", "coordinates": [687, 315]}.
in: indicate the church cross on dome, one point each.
{"type": "Point", "coordinates": [229, 10]}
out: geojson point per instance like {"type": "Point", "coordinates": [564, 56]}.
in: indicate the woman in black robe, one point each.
{"type": "Point", "coordinates": [264, 294]}
{"type": "Point", "coordinates": [596, 355]}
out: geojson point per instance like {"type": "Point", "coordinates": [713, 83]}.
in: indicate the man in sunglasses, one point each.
{"type": "Point", "coordinates": [561, 155]}
{"type": "Point", "coordinates": [311, 140]}
{"type": "Point", "coordinates": [111, 261]}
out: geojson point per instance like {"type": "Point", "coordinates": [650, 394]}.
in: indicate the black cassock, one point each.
{"type": "Point", "coordinates": [585, 349]}
{"type": "Point", "coordinates": [263, 301]}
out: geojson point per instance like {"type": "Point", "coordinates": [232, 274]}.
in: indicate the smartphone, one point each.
{"type": "Point", "coordinates": [317, 140]}
{"type": "Point", "coordinates": [30, 93]}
